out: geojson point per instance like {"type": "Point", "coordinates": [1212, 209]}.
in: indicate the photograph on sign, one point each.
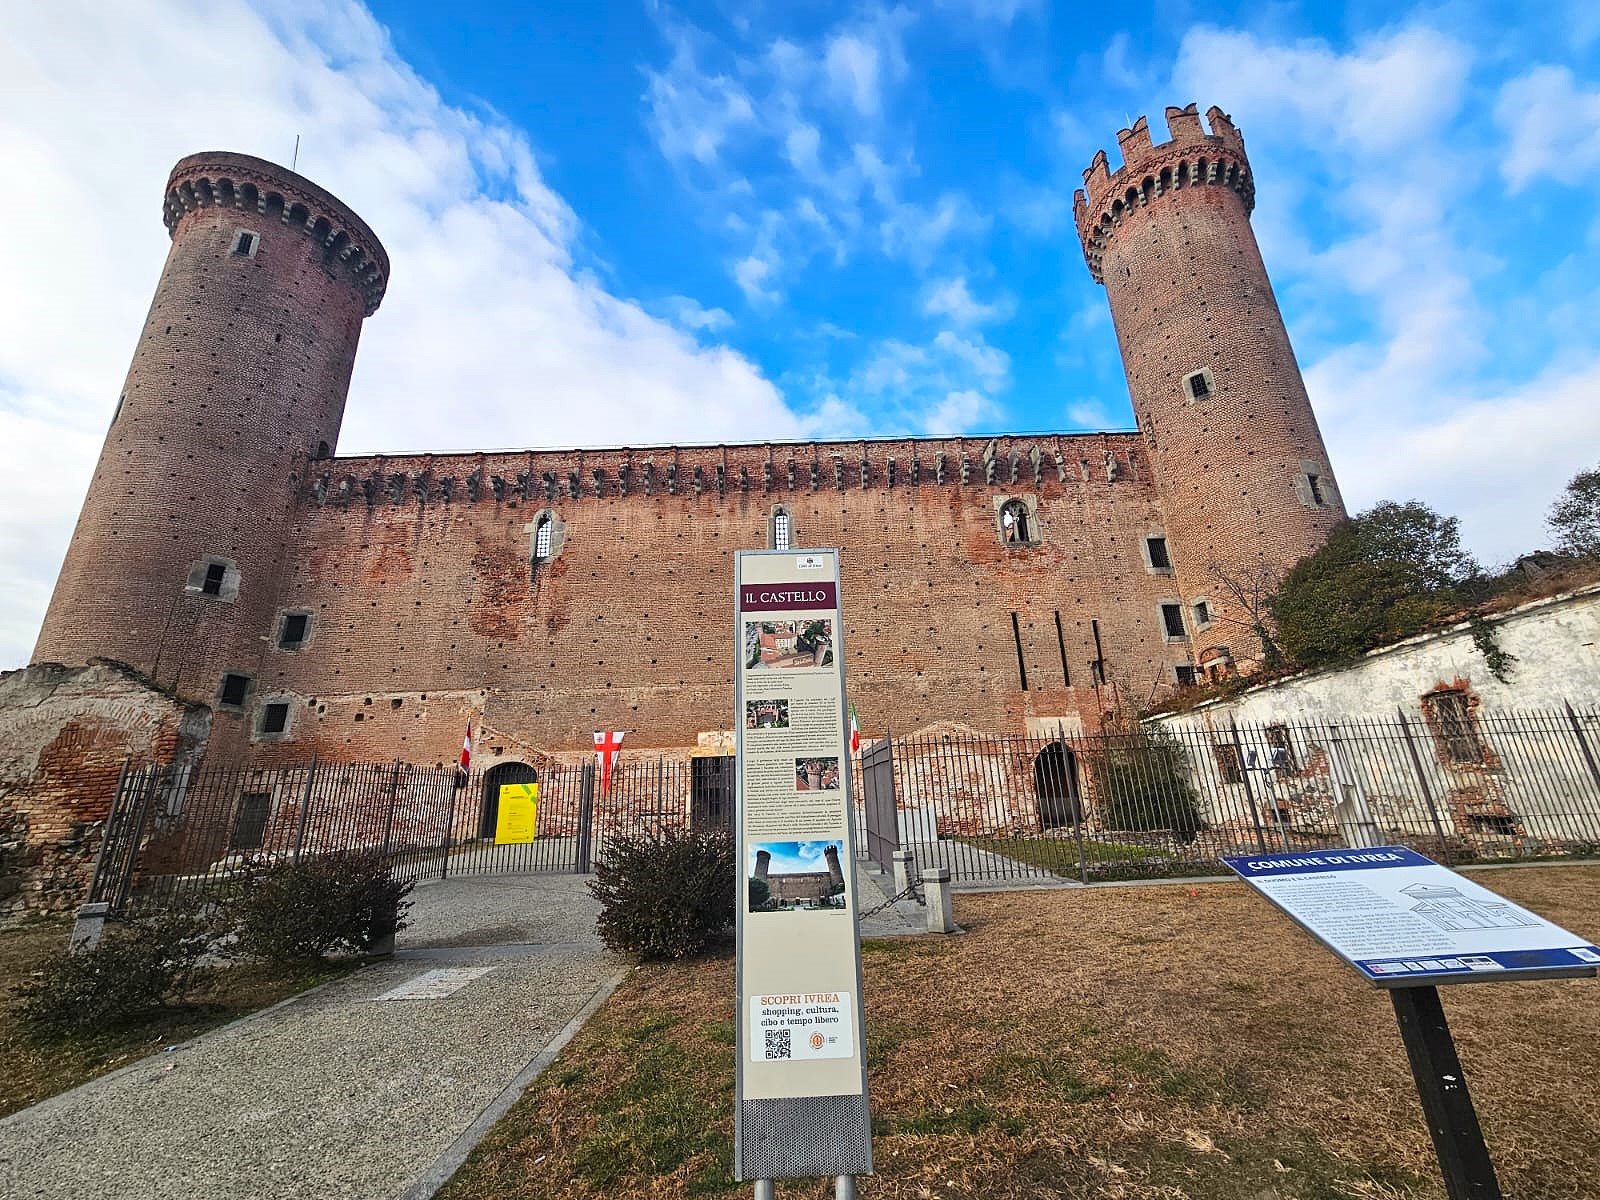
{"type": "Point", "coordinates": [1401, 919]}
{"type": "Point", "coordinates": [787, 645]}
{"type": "Point", "coordinates": [797, 876]}
{"type": "Point", "coordinates": [766, 714]}
{"type": "Point", "coordinates": [816, 774]}
{"type": "Point", "coordinates": [517, 818]}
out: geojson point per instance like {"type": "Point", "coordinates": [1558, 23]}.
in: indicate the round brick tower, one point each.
{"type": "Point", "coordinates": [1238, 459]}
{"type": "Point", "coordinates": [238, 380]}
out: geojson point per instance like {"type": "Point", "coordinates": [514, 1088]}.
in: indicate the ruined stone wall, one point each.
{"type": "Point", "coordinates": [64, 736]}
{"type": "Point", "coordinates": [427, 606]}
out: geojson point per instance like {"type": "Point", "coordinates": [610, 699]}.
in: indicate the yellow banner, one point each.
{"type": "Point", "coordinates": [517, 818]}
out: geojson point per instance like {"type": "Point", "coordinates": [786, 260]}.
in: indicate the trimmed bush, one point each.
{"type": "Point", "coordinates": [667, 896]}
{"type": "Point", "coordinates": [287, 913]}
{"type": "Point", "coordinates": [136, 969]}
{"type": "Point", "coordinates": [1147, 786]}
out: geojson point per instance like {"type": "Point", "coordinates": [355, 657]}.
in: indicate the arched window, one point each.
{"type": "Point", "coordinates": [1015, 526]}
{"type": "Point", "coordinates": [782, 530]}
{"type": "Point", "coordinates": [541, 539]}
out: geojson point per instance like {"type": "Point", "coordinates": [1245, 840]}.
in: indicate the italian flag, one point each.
{"type": "Point", "coordinates": [855, 732]}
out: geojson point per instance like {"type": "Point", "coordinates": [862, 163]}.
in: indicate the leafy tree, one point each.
{"type": "Point", "coordinates": [1382, 575]}
{"type": "Point", "coordinates": [1574, 519]}
{"type": "Point", "coordinates": [760, 894]}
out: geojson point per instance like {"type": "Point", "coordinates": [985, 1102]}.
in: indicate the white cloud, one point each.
{"type": "Point", "coordinates": [944, 387]}
{"type": "Point", "coordinates": [1392, 89]}
{"type": "Point", "coordinates": [1553, 126]}
{"type": "Point", "coordinates": [852, 67]}
{"type": "Point", "coordinates": [690, 314]}
{"type": "Point", "coordinates": [951, 298]}
{"type": "Point", "coordinates": [491, 334]}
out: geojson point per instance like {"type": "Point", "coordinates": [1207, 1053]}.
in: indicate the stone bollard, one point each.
{"type": "Point", "coordinates": [904, 866]}
{"type": "Point", "coordinates": [936, 890]}
{"type": "Point", "coordinates": [88, 927]}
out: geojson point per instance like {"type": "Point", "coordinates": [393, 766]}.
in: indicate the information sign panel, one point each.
{"type": "Point", "coordinates": [1403, 920]}
{"type": "Point", "coordinates": [517, 813]}
{"type": "Point", "coordinates": [802, 1083]}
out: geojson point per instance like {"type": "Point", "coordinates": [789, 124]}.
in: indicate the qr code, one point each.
{"type": "Point", "coordinates": [778, 1043]}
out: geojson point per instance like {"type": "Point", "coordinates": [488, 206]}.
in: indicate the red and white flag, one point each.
{"type": "Point", "coordinates": [607, 745]}
{"type": "Point", "coordinates": [855, 732]}
{"type": "Point", "coordinates": [466, 751]}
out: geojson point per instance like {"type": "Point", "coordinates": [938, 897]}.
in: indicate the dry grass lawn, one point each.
{"type": "Point", "coordinates": [1117, 1043]}
{"type": "Point", "coordinates": [32, 1068]}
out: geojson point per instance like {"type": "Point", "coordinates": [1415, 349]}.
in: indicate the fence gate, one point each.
{"type": "Point", "coordinates": [877, 801]}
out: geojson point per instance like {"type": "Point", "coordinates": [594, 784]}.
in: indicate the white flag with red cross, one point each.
{"type": "Point", "coordinates": [607, 745]}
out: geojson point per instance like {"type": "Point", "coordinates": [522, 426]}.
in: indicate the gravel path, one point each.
{"type": "Point", "coordinates": [335, 1093]}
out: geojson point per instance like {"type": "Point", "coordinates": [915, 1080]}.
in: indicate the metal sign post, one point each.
{"type": "Point", "coordinates": [801, 1088]}
{"type": "Point", "coordinates": [1407, 923]}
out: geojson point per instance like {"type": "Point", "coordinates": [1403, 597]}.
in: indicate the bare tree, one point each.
{"type": "Point", "coordinates": [1250, 586]}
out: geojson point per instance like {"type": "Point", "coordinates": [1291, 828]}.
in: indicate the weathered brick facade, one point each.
{"type": "Point", "coordinates": [64, 736]}
{"type": "Point", "coordinates": [425, 598]}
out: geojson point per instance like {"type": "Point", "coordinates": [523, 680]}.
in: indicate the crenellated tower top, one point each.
{"type": "Point", "coordinates": [241, 181]}
{"type": "Point", "coordinates": [1192, 158]}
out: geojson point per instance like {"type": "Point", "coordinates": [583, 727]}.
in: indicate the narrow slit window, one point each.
{"type": "Point", "coordinates": [780, 531]}
{"type": "Point", "coordinates": [1314, 482]}
{"type": "Point", "coordinates": [215, 573]}
{"type": "Point", "coordinates": [1202, 613]}
{"type": "Point", "coordinates": [1061, 645]}
{"type": "Point", "coordinates": [1022, 667]}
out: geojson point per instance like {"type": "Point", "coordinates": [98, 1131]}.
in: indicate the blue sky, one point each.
{"type": "Point", "coordinates": [794, 858]}
{"type": "Point", "coordinates": [630, 223]}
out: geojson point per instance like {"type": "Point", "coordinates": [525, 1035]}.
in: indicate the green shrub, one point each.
{"type": "Point", "coordinates": [667, 896]}
{"type": "Point", "coordinates": [1145, 784]}
{"type": "Point", "coordinates": [286, 913]}
{"type": "Point", "coordinates": [134, 970]}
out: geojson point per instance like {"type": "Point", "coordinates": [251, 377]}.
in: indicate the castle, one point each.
{"type": "Point", "coordinates": [365, 608]}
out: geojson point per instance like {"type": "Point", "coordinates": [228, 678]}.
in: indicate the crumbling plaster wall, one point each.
{"type": "Point", "coordinates": [65, 733]}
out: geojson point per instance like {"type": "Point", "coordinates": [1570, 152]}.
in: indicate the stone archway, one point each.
{"type": "Point", "coordinates": [493, 780]}
{"type": "Point", "coordinates": [1055, 783]}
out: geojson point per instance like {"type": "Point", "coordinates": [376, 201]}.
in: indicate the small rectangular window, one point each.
{"type": "Point", "coordinates": [1282, 748]}
{"type": "Point", "coordinates": [294, 630]}
{"type": "Point", "coordinates": [234, 689]}
{"type": "Point", "coordinates": [1172, 620]}
{"type": "Point", "coordinates": [244, 243]}
{"type": "Point", "coordinates": [1186, 676]}
{"type": "Point", "coordinates": [1198, 385]}
{"type": "Point", "coordinates": [1314, 482]}
{"type": "Point", "coordinates": [249, 831]}
{"type": "Point", "coordinates": [1159, 558]}
{"type": "Point", "coordinates": [215, 573]}
{"type": "Point", "coordinates": [1202, 613]}
{"type": "Point", "coordinates": [1454, 729]}
{"type": "Point", "coordinates": [274, 718]}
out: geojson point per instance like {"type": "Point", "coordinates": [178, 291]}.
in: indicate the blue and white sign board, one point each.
{"type": "Point", "coordinates": [1402, 920]}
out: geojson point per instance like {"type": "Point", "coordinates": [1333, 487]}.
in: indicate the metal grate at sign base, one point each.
{"type": "Point", "coordinates": [806, 1135]}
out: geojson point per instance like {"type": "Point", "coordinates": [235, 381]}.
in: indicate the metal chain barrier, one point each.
{"type": "Point", "coordinates": [912, 891]}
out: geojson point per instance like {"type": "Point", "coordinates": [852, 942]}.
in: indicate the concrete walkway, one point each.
{"type": "Point", "coordinates": [337, 1093]}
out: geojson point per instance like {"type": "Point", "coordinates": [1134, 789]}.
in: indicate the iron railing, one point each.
{"type": "Point", "coordinates": [1170, 800]}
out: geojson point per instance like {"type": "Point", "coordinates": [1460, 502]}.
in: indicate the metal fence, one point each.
{"type": "Point", "coordinates": [1170, 801]}
{"type": "Point", "coordinates": [175, 832]}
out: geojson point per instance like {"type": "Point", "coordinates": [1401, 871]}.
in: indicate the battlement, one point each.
{"type": "Point", "coordinates": [1190, 158]}
{"type": "Point", "coordinates": [220, 178]}
{"type": "Point", "coordinates": [765, 469]}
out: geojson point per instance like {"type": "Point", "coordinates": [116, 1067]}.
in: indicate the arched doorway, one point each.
{"type": "Point", "coordinates": [1055, 782]}
{"type": "Point", "coordinates": [493, 780]}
